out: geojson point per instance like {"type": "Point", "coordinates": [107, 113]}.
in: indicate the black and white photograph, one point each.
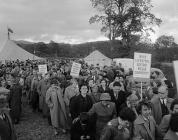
{"type": "Point", "coordinates": [88, 70]}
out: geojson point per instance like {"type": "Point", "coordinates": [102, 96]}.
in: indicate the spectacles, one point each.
{"type": "Point", "coordinates": [161, 92]}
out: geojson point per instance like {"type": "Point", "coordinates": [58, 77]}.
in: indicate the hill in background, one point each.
{"type": "Point", "coordinates": [113, 49]}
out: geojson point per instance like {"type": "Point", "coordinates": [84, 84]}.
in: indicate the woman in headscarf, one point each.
{"type": "Point", "coordinates": [104, 111]}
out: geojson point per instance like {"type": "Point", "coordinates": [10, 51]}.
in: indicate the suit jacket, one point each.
{"type": "Point", "coordinates": [164, 125]}
{"type": "Point", "coordinates": [156, 108]}
{"type": "Point", "coordinates": [104, 114]}
{"type": "Point", "coordinates": [142, 129]}
{"type": "Point", "coordinates": [170, 135]}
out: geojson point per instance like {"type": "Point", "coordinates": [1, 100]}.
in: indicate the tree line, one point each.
{"type": "Point", "coordinates": [163, 50]}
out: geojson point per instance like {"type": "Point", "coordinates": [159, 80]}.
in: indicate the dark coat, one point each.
{"type": "Point", "coordinates": [121, 99]}
{"type": "Point", "coordinates": [6, 128]}
{"type": "Point", "coordinates": [79, 104]}
{"type": "Point", "coordinates": [104, 114]}
{"type": "Point", "coordinates": [15, 101]}
{"type": "Point", "coordinates": [77, 131]}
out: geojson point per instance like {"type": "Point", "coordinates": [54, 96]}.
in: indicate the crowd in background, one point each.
{"type": "Point", "coordinates": [102, 103]}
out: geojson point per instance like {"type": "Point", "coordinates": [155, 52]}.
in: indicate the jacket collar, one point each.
{"type": "Point", "coordinates": [140, 121]}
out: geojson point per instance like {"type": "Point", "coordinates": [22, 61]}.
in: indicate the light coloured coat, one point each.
{"type": "Point", "coordinates": [56, 104]}
{"type": "Point", "coordinates": [142, 129]}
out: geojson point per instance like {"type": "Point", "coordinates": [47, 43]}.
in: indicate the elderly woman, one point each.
{"type": "Point", "coordinates": [145, 125]}
{"type": "Point", "coordinates": [56, 104]}
{"type": "Point", "coordinates": [104, 110]}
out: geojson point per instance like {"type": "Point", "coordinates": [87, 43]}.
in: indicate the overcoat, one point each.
{"type": "Point", "coordinates": [145, 131]}
{"type": "Point", "coordinates": [15, 101]}
{"type": "Point", "coordinates": [57, 108]}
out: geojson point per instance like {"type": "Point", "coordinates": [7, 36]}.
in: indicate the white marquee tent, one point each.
{"type": "Point", "coordinates": [97, 57]}
{"type": "Point", "coordinates": [11, 51]}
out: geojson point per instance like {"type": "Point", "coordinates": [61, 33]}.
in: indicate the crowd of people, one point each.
{"type": "Point", "coordinates": [102, 103]}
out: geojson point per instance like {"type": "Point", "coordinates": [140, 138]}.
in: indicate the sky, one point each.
{"type": "Point", "coordinates": [67, 21]}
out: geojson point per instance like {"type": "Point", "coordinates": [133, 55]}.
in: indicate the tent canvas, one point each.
{"type": "Point", "coordinates": [11, 51]}
{"type": "Point", "coordinates": [97, 57]}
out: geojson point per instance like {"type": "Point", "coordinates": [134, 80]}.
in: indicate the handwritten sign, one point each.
{"type": "Point", "coordinates": [75, 69]}
{"type": "Point", "coordinates": [175, 64]}
{"type": "Point", "coordinates": [42, 69]}
{"type": "Point", "coordinates": [142, 66]}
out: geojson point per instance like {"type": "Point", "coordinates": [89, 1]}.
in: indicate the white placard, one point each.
{"type": "Point", "coordinates": [142, 66]}
{"type": "Point", "coordinates": [42, 69]}
{"type": "Point", "coordinates": [175, 64]}
{"type": "Point", "coordinates": [75, 70]}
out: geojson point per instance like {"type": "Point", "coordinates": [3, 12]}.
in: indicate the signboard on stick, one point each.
{"type": "Point", "coordinates": [75, 70]}
{"type": "Point", "coordinates": [42, 69]}
{"type": "Point", "coordinates": [142, 66]}
{"type": "Point", "coordinates": [175, 64]}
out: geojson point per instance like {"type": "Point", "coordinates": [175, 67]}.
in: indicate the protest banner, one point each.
{"type": "Point", "coordinates": [75, 70]}
{"type": "Point", "coordinates": [142, 69]}
{"type": "Point", "coordinates": [142, 66]}
{"type": "Point", "coordinates": [42, 69]}
{"type": "Point", "coordinates": [175, 65]}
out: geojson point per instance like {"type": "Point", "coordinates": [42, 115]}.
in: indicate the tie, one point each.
{"type": "Point", "coordinates": [149, 124]}
{"type": "Point", "coordinates": [163, 102]}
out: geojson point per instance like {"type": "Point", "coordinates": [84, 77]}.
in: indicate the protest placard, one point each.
{"type": "Point", "coordinates": [175, 64]}
{"type": "Point", "coordinates": [42, 69]}
{"type": "Point", "coordinates": [75, 70]}
{"type": "Point", "coordinates": [142, 66]}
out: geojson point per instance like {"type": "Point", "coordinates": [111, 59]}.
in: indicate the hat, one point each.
{"type": "Point", "coordinates": [105, 97]}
